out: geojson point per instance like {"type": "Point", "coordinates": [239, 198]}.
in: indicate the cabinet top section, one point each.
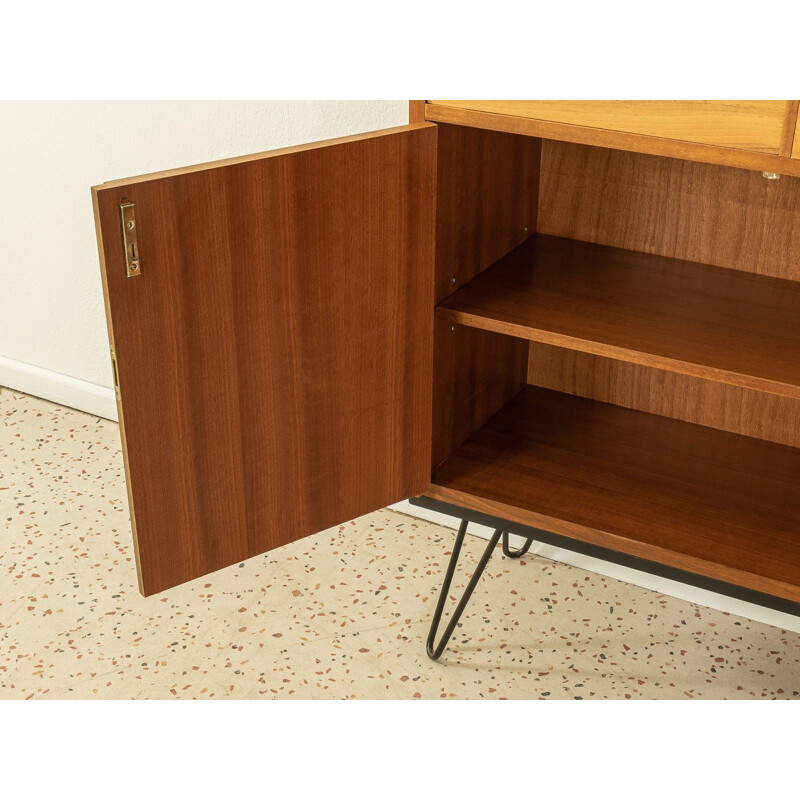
{"type": "Point", "coordinates": [751, 134]}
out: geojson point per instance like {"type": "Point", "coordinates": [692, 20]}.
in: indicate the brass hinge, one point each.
{"type": "Point", "coordinates": [115, 369]}
{"type": "Point", "coordinates": [130, 239]}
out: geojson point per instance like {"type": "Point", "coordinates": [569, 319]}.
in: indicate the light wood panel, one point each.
{"type": "Point", "coordinates": [618, 140]}
{"type": "Point", "coordinates": [698, 212]}
{"type": "Point", "coordinates": [746, 124]}
{"type": "Point", "coordinates": [487, 190]}
{"type": "Point", "coordinates": [475, 374]}
{"type": "Point", "coordinates": [714, 323]}
{"type": "Point", "coordinates": [787, 134]}
{"type": "Point", "coordinates": [416, 111]}
{"type": "Point", "coordinates": [275, 352]}
{"type": "Point", "coordinates": [670, 394]}
{"type": "Point", "coordinates": [709, 502]}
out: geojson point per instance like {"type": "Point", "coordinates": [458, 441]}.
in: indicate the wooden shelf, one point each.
{"type": "Point", "coordinates": [722, 324]}
{"type": "Point", "coordinates": [702, 500]}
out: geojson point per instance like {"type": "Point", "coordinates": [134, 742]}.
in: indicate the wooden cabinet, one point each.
{"type": "Point", "coordinates": [578, 317]}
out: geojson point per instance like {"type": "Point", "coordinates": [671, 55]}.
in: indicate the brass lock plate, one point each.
{"type": "Point", "coordinates": [115, 369]}
{"type": "Point", "coordinates": [130, 240]}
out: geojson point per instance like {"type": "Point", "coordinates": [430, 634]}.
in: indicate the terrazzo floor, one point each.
{"type": "Point", "coordinates": [342, 614]}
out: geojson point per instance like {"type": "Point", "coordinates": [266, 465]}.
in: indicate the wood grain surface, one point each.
{"type": "Point", "coordinates": [671, 394]}
{"type": "Point", "coordinates": [698, 212]}
{"type": "Point", "coordinates": [745, 124]}
{"type": "Point", "coordinates": [727, 155]}
{"type": "Point", "coordinates": [416, 111]}
{"type": "Point", "coordinates": [475, 373]}
{"type": "Point", "coordinates": [714, 323]}
{"type": "Point", "coordinates": [275, 353]}
{"type": "Point", "coordinates": [713, 503]}
{"type": "Point", "coordinates": [787, 133]}
{"type": "Point", "coordinates": [487, 188]}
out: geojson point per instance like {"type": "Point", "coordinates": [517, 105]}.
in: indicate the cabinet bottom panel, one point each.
{"type": "Point", "coordinates": [612, 556]}
{"type": "Point", "coordinates": [700, 500]}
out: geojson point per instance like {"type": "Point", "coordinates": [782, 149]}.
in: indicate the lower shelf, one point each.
{"type": "Point", "coordinates": [694, 498]}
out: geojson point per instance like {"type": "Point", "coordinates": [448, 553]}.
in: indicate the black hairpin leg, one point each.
{"type": "Point", "coordinates": [435, 651]}
{"type": "Point", "coordinates": [507, 551]}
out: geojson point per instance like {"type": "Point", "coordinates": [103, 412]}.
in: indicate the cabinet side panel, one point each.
{"type": "Point", "coordinates": [789, 127]}
{"type": "Point", "coordinates": [475, 373]}
{"type": "Point", "coordinates": [487, 193]}
{"type": "Point", "coordinates": [699, 212]}
{"type": "Point", "coordinates": [416, 111]}
{"type": "Point", "coordinates": [669, 394]}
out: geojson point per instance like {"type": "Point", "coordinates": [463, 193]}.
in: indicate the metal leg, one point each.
{"type": "Point", "coordinates": [507, 551]}
{"type": "Point", "coordinates": [435, 651]}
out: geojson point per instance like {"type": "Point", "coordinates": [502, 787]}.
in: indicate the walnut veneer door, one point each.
{"type": "Point", "coordinates": [274, 349]}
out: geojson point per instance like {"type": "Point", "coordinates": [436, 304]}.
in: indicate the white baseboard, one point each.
{"type": "Point", "coordinates": [665, 586]}
{"type": "Point", "coordinates": [58, 388]}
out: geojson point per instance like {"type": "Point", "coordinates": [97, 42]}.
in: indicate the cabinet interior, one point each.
{"type": "Point", "coordinates": [615, 351]}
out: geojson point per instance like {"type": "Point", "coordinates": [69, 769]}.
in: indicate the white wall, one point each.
{"type": "Point", "coordinates": [52, 324]}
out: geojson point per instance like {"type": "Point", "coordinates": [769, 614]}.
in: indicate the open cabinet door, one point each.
{"type": "Point", "coordinates": [271, 322]}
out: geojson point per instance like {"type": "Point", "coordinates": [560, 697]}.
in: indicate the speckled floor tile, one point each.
{"type": "Point", "coordinates": [343, 614]}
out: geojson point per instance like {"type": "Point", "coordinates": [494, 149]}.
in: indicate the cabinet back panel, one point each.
{"type": "Point", "coordinates": [716, 405]}
{"type": "Point", "coordinates": [699, 212]}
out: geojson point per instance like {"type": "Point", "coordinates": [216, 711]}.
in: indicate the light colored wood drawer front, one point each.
{"type": "Point", "coordinates": [743, 124]}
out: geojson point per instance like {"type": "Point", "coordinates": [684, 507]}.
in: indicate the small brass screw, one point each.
{"type": "Point", "coordinates": [129, 225]}
{"type": "Point", "coordinates": [453, 281]}
{"type": "Point", "coordinates": [452, 328]}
